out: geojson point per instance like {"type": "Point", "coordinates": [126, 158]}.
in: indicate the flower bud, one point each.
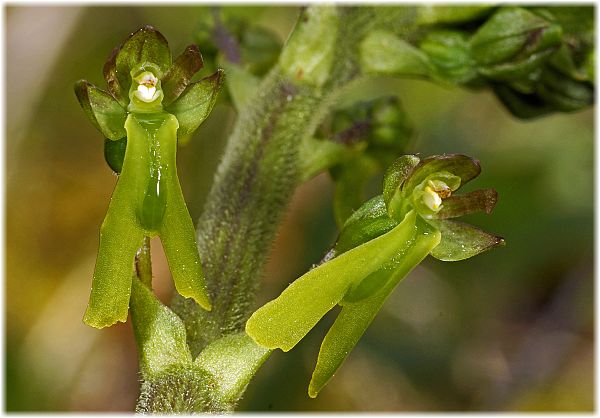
{"type": "Point", "coordinates": [563, 93]}
{"type": "Point", "coordinates": [434, 14]}
{"type": "Point", "coordinates": [450, 54]}
{"type": "Point", "coordinates": [513, 42]}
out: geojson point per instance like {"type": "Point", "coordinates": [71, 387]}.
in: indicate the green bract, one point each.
{"type": "Point", "coordinates": [378, 246]}
{"type": "Point", "coordinates": [150, 103]}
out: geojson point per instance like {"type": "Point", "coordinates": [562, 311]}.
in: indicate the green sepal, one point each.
{"type": "Point", "coordinates": [454, 206]}
{"type": "Point", "coordinates": [461, 241]}
{"type": "Point", "coordinates": [385, 53]}
{"type": "Point", "coordinates": [368, 222]}
{"type": "Point", "coordinates": [102, 110]}
{"type": "Point", "coordinates": [159, 333]}
{"type": "Point", "coordinates": [180, 74]}
{"type": "Point", "coordinates": [283, 322]}
{"type": "Point", "coordinates": [232, 360]}
{"type": "Point", "coordinates": [511, 35]}
{"type": "Point", "coordinates": [114, 153]}
{"type": "Point", "coordinates": [146, 45]}
{"type": "Point", "coordinates": [359, 308]}
{"type": "Point", "coordinates": [396, 174]}
{"type": "Point", "coordinates": [455, 168]}
{"type": "Point", "coordinates": [465, 167]}
{"type": "Point", "coordinates": [120, 93]}
{"type": "Point", "coordinates": [195, 103]}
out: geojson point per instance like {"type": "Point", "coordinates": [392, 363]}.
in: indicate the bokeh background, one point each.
{"type": "Point", "coordinates": [510, 330]}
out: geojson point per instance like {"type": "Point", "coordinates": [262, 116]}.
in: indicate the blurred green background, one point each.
{"type": "Point", "coordinates": [510, 330]}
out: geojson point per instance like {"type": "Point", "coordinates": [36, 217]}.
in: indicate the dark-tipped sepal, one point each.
{"type": "Point", "coordinates": [146, 45]}
{"type": "Point", "coordinates": [102, 110]}
{"type": "Point", "coordinates": [196, 102]}
{"type": "Point", "coordinates": [461, 241]}
{"type": "Point", "coordinates": [181, 72]}
{"type": "Point", "coordinates": [460, 205]}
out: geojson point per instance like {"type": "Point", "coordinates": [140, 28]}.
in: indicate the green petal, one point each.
{"type": "Point", "coordinates": [159, 333]}
{"type": "Point", "coordinates": [476, 201]}
{"type": "Point", "coordinates": [461, 241]}
{"type": "Point", "coordinates": [355, 317]}
{"type": "Point", "coordinates": [283, 322]}
{"type": "Point", "coordinates": [102, 110]}
{"type": "Point", "coordinates": [465, 167]}
{"type": "Point", "coordinates": [180, 74]}
{"type": "Point", "coordinates": [195, 103]}
{"type": "Point", "coordinates": [368, 222]}
{"type": "Point", "coordinates": [146, 45]}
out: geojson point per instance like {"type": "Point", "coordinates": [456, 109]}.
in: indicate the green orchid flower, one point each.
{"type": "Point", "coordinates": [150, 104]}
{"type": "Point", "coordinates": [378, 246]}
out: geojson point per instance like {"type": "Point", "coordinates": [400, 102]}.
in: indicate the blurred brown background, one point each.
{"type": "Point", "coordinates": [510, 330]}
